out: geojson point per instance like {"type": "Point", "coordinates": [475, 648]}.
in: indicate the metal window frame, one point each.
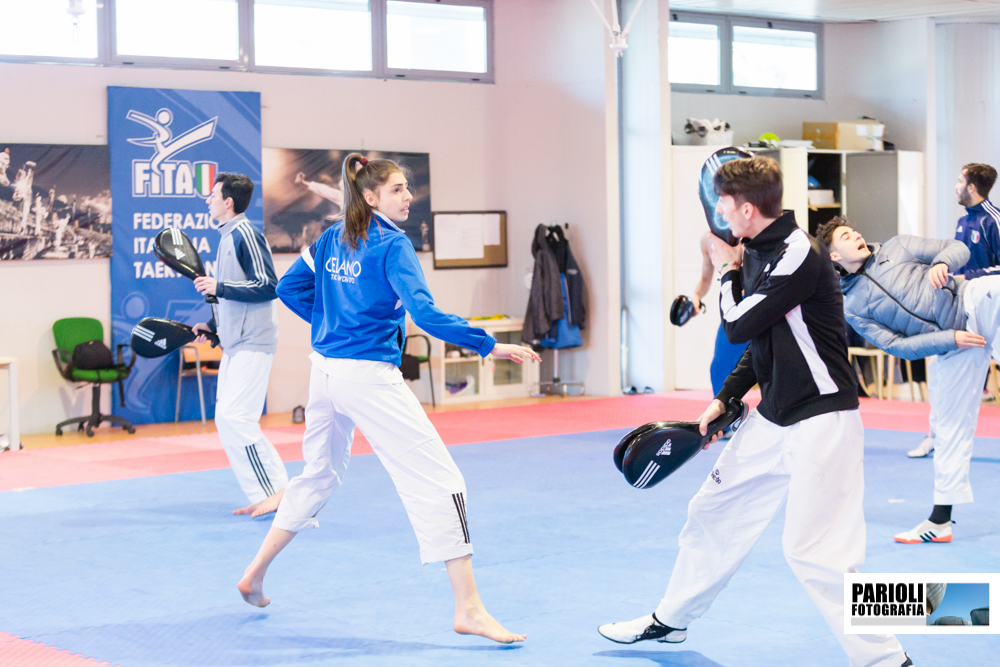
{"type": "Point", "coordinates": [726, 24]}
{"type": "Point", "coordinates": [107, 47]}
{"type": "Point", "coordinates": [252, 66]}
{"type": "Point", "coordinates": [102, 38]}
{"type": "Point", "coordinates": [725, 52]}
{"type": "Point", "coordinates": [436, 75]}
{"type": "Point", "coordinates": [797, 26]}
{"type": "Point", "coordinates": [240, 63]}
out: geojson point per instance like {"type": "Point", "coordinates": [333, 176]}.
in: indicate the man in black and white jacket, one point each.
{"type": "Point", "coordinates": [803, 444]}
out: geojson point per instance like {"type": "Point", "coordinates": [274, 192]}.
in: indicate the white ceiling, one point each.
{"type": "Point", "coordinates": [980, 11]}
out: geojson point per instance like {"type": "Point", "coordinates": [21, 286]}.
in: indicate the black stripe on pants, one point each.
{"type": "Point", "coordinates": [459, 500]}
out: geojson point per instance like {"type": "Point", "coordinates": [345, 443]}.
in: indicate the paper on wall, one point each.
{"type": "Point", "coordinates": [458, 236]}
{"type": "Point", "coordinates": [491, 229]}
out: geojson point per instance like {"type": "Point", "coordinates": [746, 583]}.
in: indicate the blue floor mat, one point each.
{"type": "Point", "coordinates": [142, 572]}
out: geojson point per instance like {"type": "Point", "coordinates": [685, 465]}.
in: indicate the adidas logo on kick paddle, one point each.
{"type": "Point", "coordinates": [665, 449]}
{"type": "Point", "coordinates": [162, 343]}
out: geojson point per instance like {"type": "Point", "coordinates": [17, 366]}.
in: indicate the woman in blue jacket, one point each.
{"type": "Point", "coordinates": [354, 286]}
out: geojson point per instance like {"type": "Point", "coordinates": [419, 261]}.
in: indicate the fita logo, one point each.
{"type": "Point", "coordinates": [716, 477]}
{"type": "Point", "coordinates": [161, 176]}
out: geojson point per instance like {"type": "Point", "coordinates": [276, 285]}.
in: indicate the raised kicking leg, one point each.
{"type": "Point", "coordinates": [471, 617]}
{"type": "Point", "coordinates": [251, 586]}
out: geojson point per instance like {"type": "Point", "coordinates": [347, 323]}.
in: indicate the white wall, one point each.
{"type": "Point", "coordinates": [968, 125]}
{"type": "Point", "coordinates": [535, 144]}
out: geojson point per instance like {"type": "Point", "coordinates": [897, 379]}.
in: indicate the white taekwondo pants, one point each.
{"type": "Point", "coordinates": [372, 395]}
{"type": "Point", "coordinates": [816, 465]}
{"type": "Point", "coordinates": [955, 381]}
{"type": "Point", "coordinates": [239, 403]}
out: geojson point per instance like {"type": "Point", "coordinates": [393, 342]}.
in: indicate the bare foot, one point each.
{"type": "Point", "coordinates": [482, 624]}
{"type": "Point", "coordinates": [266, 506]}
{"type": "Point", "coordinates": [251, 587]}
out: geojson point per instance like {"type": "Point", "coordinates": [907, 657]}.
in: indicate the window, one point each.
{"type": "Point", "coordinates": [735, 55]}
{"type": "Point", "coordinates": [190, 29]}
{"type": "Point", "coordinates": [436, 37]}
{"type": "Point", "coordinates": [313, 34]}
{"type": "Point", "coordinates": [43, 28]}
{"type": "Point", "coordinates": [693, 53]}
{"type": "Point", "coordinates": [423, 39]}
{"type": "Point", "coordinates": [769, 58]}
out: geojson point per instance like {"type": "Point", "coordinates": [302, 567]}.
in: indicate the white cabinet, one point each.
{"type": "Point", "coordinates": [462, 376]}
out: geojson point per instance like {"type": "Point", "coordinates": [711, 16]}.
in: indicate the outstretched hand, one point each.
{"type": "Point", "coordinates": [713, 412]}
{"type": "Point", "coordinates": [967, 340]}
{"type": "Point", "coordinates": [516, 353]}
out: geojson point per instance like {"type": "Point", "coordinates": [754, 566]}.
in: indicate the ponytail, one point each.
{"type": "Point", "coordinates": [361, 175]}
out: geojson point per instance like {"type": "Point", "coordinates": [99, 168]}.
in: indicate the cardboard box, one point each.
{"type": "Point", "coordinates": [821, 198]}
{"type": "Point", "coordinates": [846, 135]}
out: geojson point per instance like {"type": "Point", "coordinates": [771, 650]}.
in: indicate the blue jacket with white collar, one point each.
{"type": "Point", "coordinates": [978, 230]}
{"type": "Point", "coordinates": [357, 300]}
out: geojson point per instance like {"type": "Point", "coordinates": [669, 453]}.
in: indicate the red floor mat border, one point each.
{"type": "Point", "coordinates": [145, 457]}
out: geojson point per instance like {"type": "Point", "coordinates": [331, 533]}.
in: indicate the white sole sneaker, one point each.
{"type": "Point", "coordinates": [641, 629]}
{"type": "Point", "coordinates": [926, 532]}
{"type": "Point", "coordinates": [925, 447]}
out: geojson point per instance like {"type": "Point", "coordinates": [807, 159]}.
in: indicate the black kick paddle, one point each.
{"type": "Point", "coordinates": [706, 190]}
{"type": "Point", "coordinates": [682, 310]}
{"type": "Point", "coordinates": [154, 337]}
{"type": "Point", "coordinates": [174, 248]}
{"type": "Point", "coordinates": [649, 454]}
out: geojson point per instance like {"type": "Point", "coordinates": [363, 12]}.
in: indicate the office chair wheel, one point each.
{"type": "Point", "coordinates": [58, 431]}
{"type": "Point", "coordinates": [90, 432]}
{"type": "Point", "coordinates": [130, 429]}
{"type": "Point", "coordinates": [80, 426]}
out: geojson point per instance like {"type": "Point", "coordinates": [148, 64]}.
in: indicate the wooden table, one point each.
{"type": "Point", "coordinates": [10, 363]}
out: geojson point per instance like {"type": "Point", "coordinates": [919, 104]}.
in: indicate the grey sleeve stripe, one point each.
{"type": "Point", "coordinates": [250, 240]}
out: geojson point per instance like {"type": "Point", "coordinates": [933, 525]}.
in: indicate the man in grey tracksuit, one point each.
{"type": "Point", "coordinates": [246, 320]}
{"type": "Point", "coordinates": [900, 297]}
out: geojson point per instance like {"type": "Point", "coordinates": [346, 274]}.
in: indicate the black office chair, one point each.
{"type": "Point", "coordinates": [414, 361]}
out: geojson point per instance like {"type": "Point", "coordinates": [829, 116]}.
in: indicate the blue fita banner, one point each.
{"type": "Point", "coordinates": [166, 148]}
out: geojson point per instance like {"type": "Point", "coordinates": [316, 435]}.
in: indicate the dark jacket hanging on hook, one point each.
{"type": "Point", "coordinates": [575, 287]}
{"type": "Point", "coordinates": [557, 302]}
{"type": "Point", "coordinates": [545, 304]}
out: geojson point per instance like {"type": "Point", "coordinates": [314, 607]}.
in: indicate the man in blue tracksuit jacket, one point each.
{"type": "Point", "coordinates": [901, 298]}
{"type": "Point", "coordinates": [979, 228]}
{"type": "Point", "coordinates": [246, 320]}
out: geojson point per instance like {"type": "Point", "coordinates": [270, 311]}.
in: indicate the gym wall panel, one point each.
{"type": "Point", "coordinates": [968, 126]}
{"type": "Point", "coordinates": [535, 144]}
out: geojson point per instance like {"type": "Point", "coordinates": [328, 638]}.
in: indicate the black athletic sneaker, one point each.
{"type": "Point", "coordinates": [647, 627]}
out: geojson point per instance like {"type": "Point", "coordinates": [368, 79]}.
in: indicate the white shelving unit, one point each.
{"type": "Point", "coordinates": [467, 377]}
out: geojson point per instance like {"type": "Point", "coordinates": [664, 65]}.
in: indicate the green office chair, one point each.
{"type": "Point", "coordinates": [69, 333]}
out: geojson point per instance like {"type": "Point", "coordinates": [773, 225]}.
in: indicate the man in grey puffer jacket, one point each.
{"type": "Point", "coordinates": [900, 297]}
